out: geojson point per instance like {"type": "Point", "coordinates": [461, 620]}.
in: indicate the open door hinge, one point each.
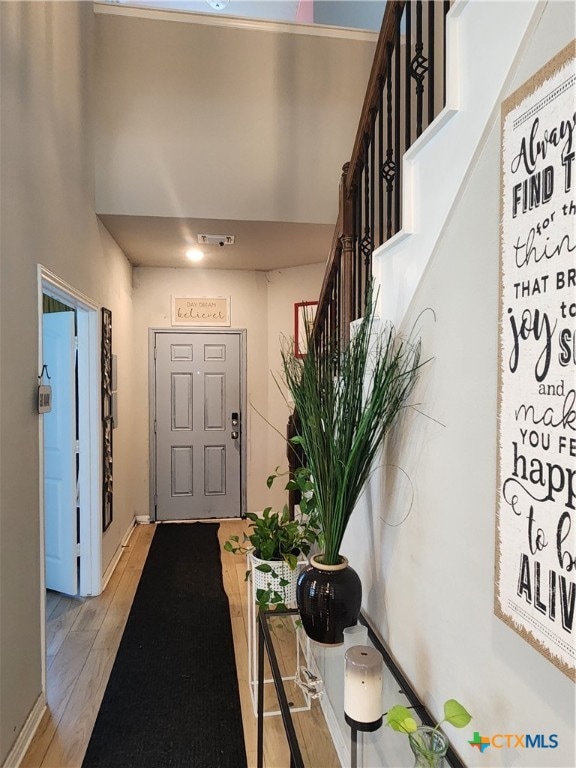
{"type": "Point", "coordinates": [78, 549]}
{"type": "Point", "coordinates": [155, 351]}
{"type": "Point", "coordinates": [76, 343]}
{"type": "Point", "coordinates": [155, 426]}
{"type": "Point", "coordinates": [77, 446]}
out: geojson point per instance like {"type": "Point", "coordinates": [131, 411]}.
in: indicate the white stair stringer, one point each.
{"type": "Point", "coordinates": [483, 41]}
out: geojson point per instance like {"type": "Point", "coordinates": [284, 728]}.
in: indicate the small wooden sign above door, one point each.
{"type": "Point", "coordinates": [201, 310]}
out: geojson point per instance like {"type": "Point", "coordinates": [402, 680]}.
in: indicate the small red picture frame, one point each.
{"type": "Point", "coordinates": [304, 314]}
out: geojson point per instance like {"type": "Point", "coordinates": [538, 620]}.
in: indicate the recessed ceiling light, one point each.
{"type": "Point", "coordinates": [194, 254]}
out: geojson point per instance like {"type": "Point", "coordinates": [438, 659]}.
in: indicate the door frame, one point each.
{"type": "Point", "coordinates": [152, 333]}
{"type": "Point", "coordinates": [89, 433]}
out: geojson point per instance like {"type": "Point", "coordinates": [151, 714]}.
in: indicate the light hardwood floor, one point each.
{"type": "Point", "coordinates": [82, 640]}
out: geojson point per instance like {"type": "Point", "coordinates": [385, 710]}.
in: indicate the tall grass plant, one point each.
{"type": "Point", "coordinates": [347, 398]}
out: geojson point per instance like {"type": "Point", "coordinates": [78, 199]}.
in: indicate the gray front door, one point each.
{"type": "Point", "coordinates": [197, 425]}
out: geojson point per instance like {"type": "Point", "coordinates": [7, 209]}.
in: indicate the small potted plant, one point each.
{"type": "Point", "coordinates": [428, 743]}
{"type": "Point", "coordinates": [275, 543]}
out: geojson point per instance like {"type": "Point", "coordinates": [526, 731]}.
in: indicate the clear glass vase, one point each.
{"type": "Point", "coordinates": [429, 747]}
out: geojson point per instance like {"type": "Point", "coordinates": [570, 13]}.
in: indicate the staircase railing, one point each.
{"type": "Point", "coordinates": [406, 90]}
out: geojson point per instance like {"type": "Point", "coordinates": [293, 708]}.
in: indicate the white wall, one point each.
{"type": "Point", "coordinates": [429, 583]}
{"type": "Point", "coordinates": [261, 303]}
{"type": "Point", "coordinates": [47, 208]}
{"type": "Point", "coordinates": [214, 122]}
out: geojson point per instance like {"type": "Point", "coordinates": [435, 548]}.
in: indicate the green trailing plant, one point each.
{"type": "Point", "coordinates": [347, 398]}
{"type": "Point", "coordinates": [400, 719]}
{"type": "Point", "coordinates": [301, 481]}
{"type": "Point", "coordinates": [276, 538]}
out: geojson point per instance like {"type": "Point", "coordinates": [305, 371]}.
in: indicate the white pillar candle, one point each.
{"type": "Point", "coordinates": [363, 685]}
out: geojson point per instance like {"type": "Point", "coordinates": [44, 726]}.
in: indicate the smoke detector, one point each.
{"type": "Point", "coordinates": [216, 239]}
{"type": "Point", "coordinates": [218, 5]}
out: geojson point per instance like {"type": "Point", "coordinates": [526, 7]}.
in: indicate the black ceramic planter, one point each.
{"type": "Point", "coordinates": [329, 598]}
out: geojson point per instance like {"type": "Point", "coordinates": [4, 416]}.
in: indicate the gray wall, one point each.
{"type": "Point", "coordinates": [48, 217]}
{"type": "Point", "coordinates": [215, 122]}
{"type": "Point", "coordinates": [47, 212]}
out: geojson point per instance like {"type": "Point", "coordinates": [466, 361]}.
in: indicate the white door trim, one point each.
{"type": "Point", "coordinates": [89, 437]}
{"type": "Point", "coordinates": [241, 333]}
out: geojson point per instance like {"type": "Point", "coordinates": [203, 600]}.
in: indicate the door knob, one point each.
{"type": "Point", "coordinates": [235, 435]}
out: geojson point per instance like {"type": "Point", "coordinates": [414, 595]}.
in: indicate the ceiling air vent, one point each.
{"type": "Point", "coordinates": [216, 239]}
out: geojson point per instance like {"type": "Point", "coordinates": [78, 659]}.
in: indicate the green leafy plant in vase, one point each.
{"type": "Point", "coordinates": [429, 744]}
{"type": "Point", "coordinates": [275, 543]}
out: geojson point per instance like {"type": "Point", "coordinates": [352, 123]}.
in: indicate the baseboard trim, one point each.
{"type": "Point", "coordinates": [16, 754]}
{"type": "Point", "coordinates": [142, 519]}
{"type": "Point", "coordinates": [107, 575]}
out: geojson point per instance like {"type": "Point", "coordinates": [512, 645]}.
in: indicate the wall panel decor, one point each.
{"type": "Point", "coordinates": [107, 418]}
{"type": "Point", "coordinates": [535, 591]}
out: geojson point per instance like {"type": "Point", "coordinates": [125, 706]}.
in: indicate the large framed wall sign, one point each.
{"type": "Point", "coordinates": [535, 591]}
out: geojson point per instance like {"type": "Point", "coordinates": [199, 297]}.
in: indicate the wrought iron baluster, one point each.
{"type": "Point", "coordinates": [388, 168]}
{"type": "Point", "coordinates": [381, 82]}
{"type": "Point", "coordinates": [337, 314]}
{"type": "Point", "coordinates": [431, 60]}
{"type": "Point", "coordinates": [373, 176]}
{"type": "Point", "coordinates": [357, 248]}
{"type": "Point", "coordinates": [397, 102]}
{"type": "Point", "coordinates": [366, 245]}
{"type": "Point", "coordinates": [444, 21]}
{"type": "Point", "coordinates": [358, 243]}
{"type": "Point", "coordinates": [408, 95]}
{"type": "Point", "coordinates": [418, 68]}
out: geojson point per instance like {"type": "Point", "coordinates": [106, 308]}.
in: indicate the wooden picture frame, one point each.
{"type": "Point", "coordinates": [304, 316]}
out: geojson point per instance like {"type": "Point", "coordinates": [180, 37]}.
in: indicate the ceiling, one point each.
{"type": "Point", "coordinates": [355, 14]}
{"type": "Point", "coordinates": [175, 98]}
{"type": "Point", "coordinates": [156, 241]}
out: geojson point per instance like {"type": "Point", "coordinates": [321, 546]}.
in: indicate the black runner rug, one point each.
{"type": "Point", "coordinates": [172, 700]}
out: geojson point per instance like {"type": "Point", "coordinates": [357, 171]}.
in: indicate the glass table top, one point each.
{"type": "Point", "coordinates": [311, 677]}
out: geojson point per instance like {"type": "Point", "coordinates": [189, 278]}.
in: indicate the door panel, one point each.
{"type": "Point", "coordinates": [60, 454]}
{"type": "Point", "coordinates": [197, 388]}
{"type": "Point", "coordinates": [182, 398]}
{"type": "Point", "coordinates": [182, 470]}
{"type": "Point", "coordinates": [215, 469]}
{"type": "Point", "coordinates": [214, 402]}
